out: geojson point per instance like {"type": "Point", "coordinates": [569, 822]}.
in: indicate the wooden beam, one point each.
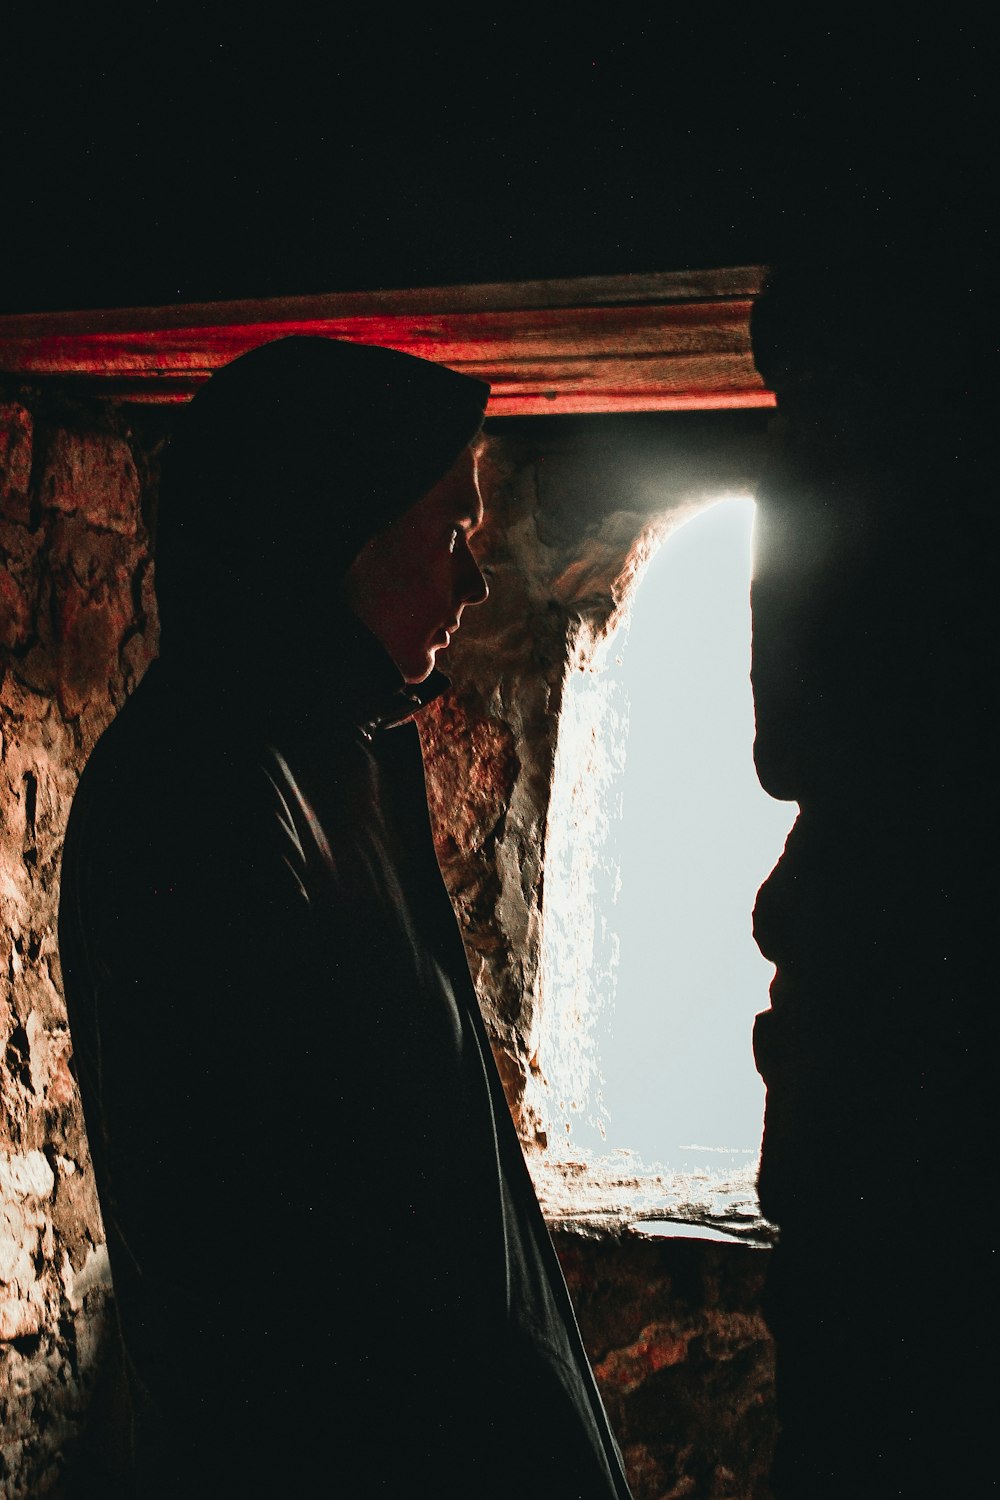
{"type": "Point", "coordinates": [678, 340]}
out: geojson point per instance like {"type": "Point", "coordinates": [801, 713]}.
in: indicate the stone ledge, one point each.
{"type": "Point", "coordinates": [618, 1193]}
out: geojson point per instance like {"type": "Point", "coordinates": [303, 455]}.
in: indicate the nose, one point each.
{"type": "Point", "coordinates": [473, 586]}
{"type": "Point", "coordinates": [479, 591]}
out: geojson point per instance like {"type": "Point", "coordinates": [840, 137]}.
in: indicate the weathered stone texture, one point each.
{"type": "Point", "coordinates": [683, 1358]}
{"type": "Point", "coordinates": [77, 629]}
{"type": "Point", "coordinates": [93, 476]}
{"type": "Point", "coordinates": [15, 461]}
{"type": "Point", "coordinates": [572, 516]}
{"type": "Point", "coordinates": [490, 746]}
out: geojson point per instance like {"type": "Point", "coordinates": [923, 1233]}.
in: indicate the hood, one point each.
{"type": "Point", "coordinates": [282, 467]}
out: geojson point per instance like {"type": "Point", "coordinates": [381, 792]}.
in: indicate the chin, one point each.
{"type": "Point", "coordinates": [414, 672]}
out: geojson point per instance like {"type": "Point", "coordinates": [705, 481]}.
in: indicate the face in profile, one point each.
{"type": "Point", "coordinates": [411, 582]}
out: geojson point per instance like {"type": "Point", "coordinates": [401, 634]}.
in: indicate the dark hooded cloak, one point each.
{"type": "Point", "coordinates": [331, 1271]}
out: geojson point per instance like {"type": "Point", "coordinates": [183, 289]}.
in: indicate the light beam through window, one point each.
{"type": "Point", "coordinates": [651, 977]}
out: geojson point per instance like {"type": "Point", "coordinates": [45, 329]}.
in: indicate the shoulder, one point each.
{"type": "Point", "coordinates": [171, 794]}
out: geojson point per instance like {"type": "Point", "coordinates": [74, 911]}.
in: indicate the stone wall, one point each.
{"type": "Point", "coordinates": [571, 506]}
{"type": "Point", "coordinates": [683, 1357]}
{"type": "Point", "coordinates": [574, 510]}
{"type": "Point", "coordinates": [77, 629]}
{"type": "Point", "coordinates": [874, 672]}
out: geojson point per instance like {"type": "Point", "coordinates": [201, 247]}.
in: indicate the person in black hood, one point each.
{"type": "Point", "coordinates": [331, 1272]}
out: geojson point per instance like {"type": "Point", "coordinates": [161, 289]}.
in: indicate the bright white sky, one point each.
{"type": "Point", "coordinates": [697, 837]}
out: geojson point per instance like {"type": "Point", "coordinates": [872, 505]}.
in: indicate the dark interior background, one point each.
{"type": "Point", "coordinates": [147, 161]}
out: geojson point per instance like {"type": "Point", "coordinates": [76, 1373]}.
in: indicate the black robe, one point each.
{"type": "Point", "coordinates": [331, 1269]}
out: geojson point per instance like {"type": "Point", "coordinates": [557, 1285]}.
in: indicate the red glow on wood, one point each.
{"type": "Point", "coordinates": [575, 347]}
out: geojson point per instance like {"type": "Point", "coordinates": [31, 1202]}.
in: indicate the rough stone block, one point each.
{"type": "Point", "coordinates": [683, 1358]}
{"type": "Point", "coordinates": [15, 462]}
{"type": "Point", "coordinates": [62, 1087]}
{"type": "Point", "coordinates": [19, 579]}
{"type": "Point", "coordinates": [91, 628]}
{"type": "Point", "coordinates": [26, 1176]}
{"type": "Point", "coordinates": [19, 1318]}
{"type": "Point", "coordinates": [93, 475]}
{"type": "Point", "coordinates": [15, 611]}
{"type": "Point", "coordinates": [471, 771]}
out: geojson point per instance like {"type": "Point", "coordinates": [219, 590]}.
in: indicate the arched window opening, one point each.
{"type": "Point", "coordinates": [659, 837]}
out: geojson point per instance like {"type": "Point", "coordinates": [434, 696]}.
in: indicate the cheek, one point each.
{"type": "Point", "coordinates": [426, 586]}
{"type": "Point", "coordinates": [437, 584]}
{"type": "Point", "coordinates": [411, 580]}
{"type": "Point", "coordinates": [427, 598]}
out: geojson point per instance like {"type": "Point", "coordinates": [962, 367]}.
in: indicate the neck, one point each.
{"type": "Point", "coordinates": [293, 680]}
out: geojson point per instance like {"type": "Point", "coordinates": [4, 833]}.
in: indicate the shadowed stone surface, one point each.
{"type": "Point", "coordinates": [683, 1357]}
{"type": "Point", "coordinates": [77, 625]}
{"type": "Point", "coordinates": [874, 672]}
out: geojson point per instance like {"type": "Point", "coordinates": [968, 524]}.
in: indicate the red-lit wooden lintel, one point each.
{"type": "Point", "coordinates": [677, 340]}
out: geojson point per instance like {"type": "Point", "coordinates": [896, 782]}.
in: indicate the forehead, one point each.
{"type": "Point", "coordinates": [456, 493]}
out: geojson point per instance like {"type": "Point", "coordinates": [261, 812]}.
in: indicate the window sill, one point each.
{"type": "Point", "coordinates": [618, 1193]}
